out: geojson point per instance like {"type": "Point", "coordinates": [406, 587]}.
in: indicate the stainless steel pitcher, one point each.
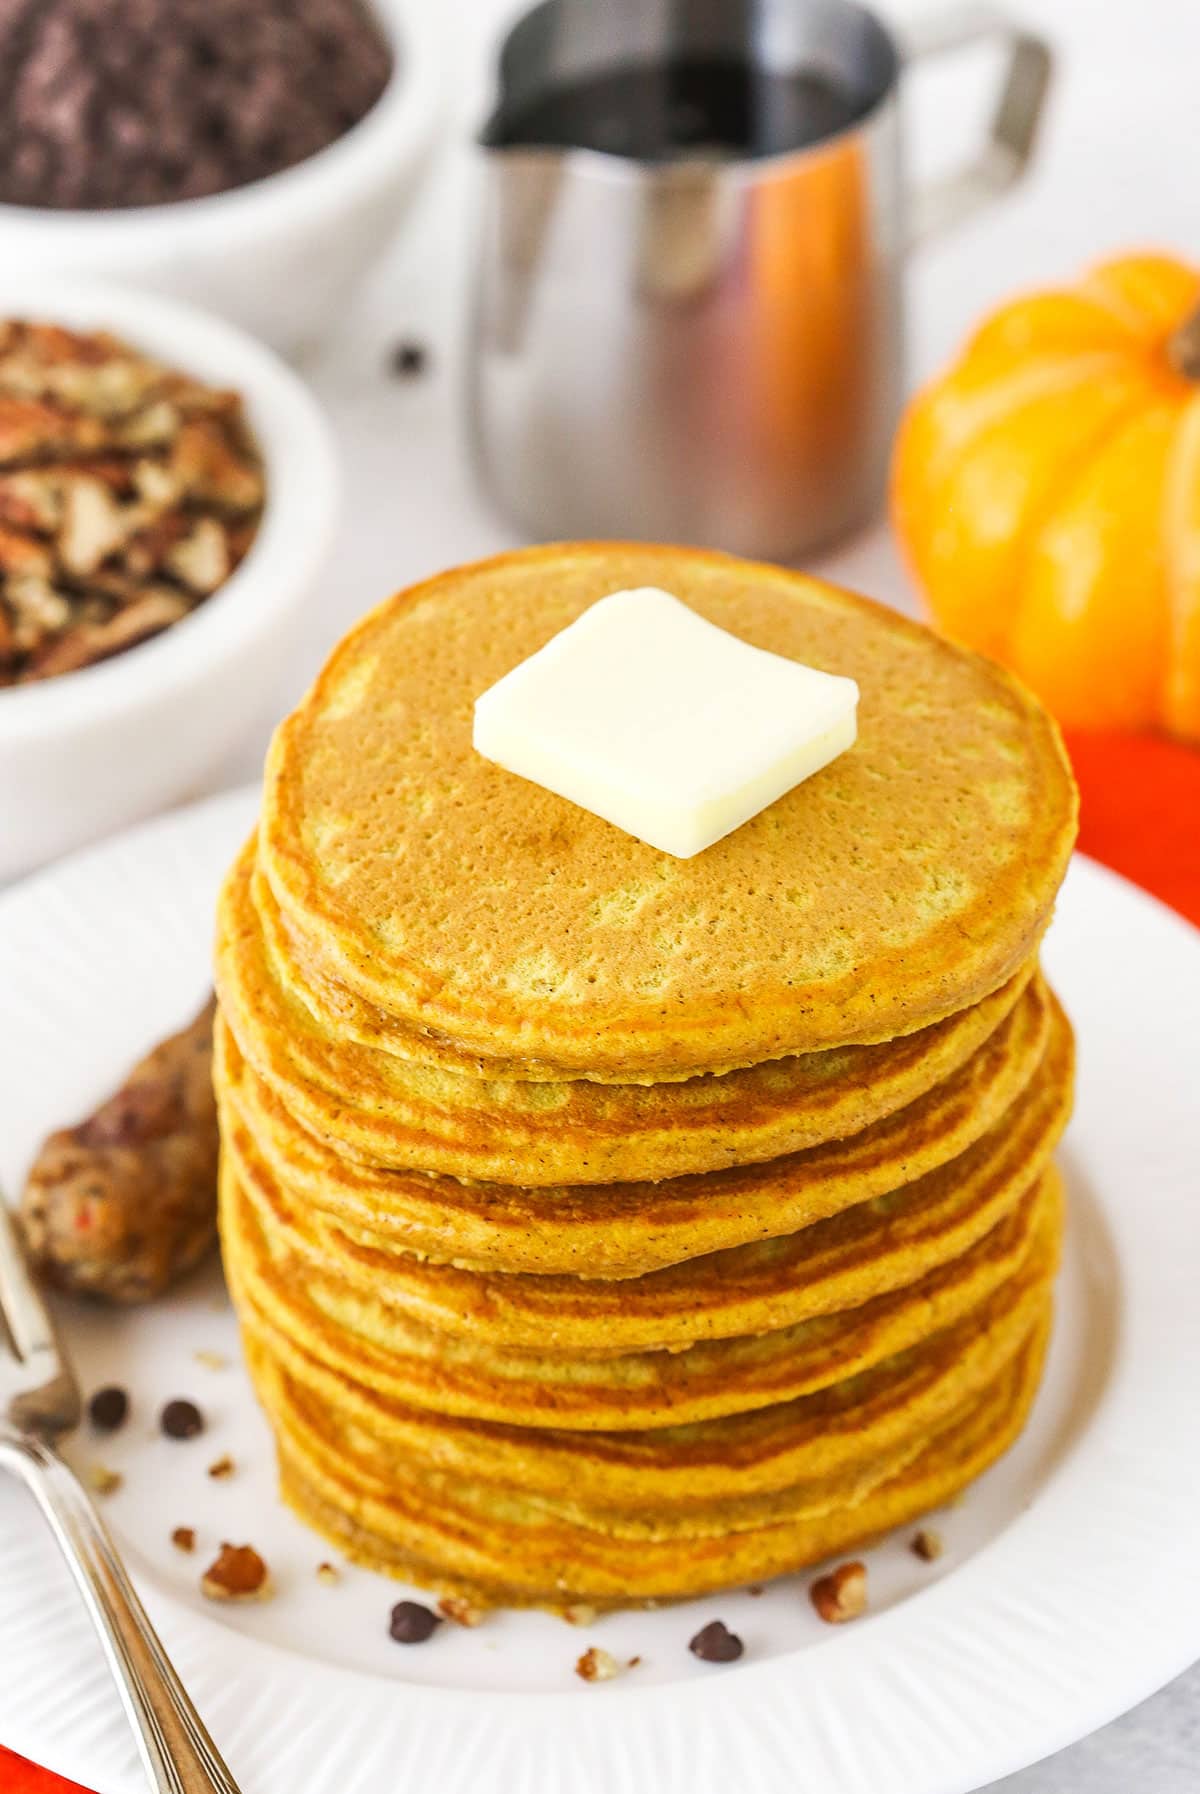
{"type": "Point", "coordinates": [710, 349]}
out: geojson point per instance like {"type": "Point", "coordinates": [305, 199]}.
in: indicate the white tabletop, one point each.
{"type": "Point", "coordinates": [1116, 171]}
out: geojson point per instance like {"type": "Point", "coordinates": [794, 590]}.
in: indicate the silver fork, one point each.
{"type": "Point", "coordinates": [39, 1400]}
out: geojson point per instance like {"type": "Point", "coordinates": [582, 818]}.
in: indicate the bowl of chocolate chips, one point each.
{"type": "Point", "coordinates": [168, 496]}
{"type": "Point", "coordinates": [252, 156]}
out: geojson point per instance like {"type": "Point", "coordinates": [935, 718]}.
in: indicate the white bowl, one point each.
{"type": "Point", "coordinates": [89, 751]}
{"type": "Point", "coordinates": [282, 255]}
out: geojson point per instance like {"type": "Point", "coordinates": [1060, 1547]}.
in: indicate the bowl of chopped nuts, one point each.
{"type": "Point", "coordinates": [252, 156]}
{"type": "Point", "coordinates": [168, 493]}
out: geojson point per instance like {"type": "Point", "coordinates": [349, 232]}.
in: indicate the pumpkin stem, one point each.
{"type": "Point", "coordinates": [1183, 347]}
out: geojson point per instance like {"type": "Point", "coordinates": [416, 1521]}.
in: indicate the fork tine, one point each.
{"type": "Point", "coordinates": [46, 1399]}
{"type": "Point", "coordinates": [24, 1312]}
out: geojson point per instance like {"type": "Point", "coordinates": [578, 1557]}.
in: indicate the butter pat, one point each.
{"type": "Point", "coordinates": [663, 724]}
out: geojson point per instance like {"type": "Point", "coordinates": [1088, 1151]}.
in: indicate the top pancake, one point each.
{"type": "Point", "coordinates": [904, 882]}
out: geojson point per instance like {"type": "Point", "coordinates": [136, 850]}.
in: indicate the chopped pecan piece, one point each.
{"type": "Point", "coordinates": [842, 1595]}
{"type": "Point", "coordinates": [453, 1607]}
{"type": "Point", "coordinates": [88, 643]}
{"type": "Point", "coordinates": [238, 1573]}
{"type": "Point", "coordinates": [129, 492]}
{"type": "Point", "coordinates": [597, 1665]}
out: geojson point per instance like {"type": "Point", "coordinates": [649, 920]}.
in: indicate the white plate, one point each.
{"type": "Point", "coordinates": [1071, 1583]}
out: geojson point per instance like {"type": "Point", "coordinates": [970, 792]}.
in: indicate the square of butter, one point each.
{"type": "Point", "coordinates": [663, 724]}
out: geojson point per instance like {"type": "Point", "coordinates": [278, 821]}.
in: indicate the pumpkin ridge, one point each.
{"type": "Point", "coordinates": [1069, 474]}
{"type": "Point", "coordinates": [1180, 696]}
{"type": "Point", "coordinates": [1008, 394]}
{"type": "Point", "coordinates": [1146, 289]}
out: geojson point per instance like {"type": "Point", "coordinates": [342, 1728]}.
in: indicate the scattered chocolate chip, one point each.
{"type": "Point", "coordinates": [327, 1573]}
{"type": "Point", "coordinates": [412, 1623]}
{"type": "Point", "coordinates": [842, 1595]}
{"type": "Point", "coordinates": [409, 359]}
{"type": "Point", "coordinates": [238, 1573]}
{"type": "Point", "coordinates": [221, 1468]}
{"type": "Point", "coordinates": [927, 1545]}
{"type": "Point", "coordinates": [184, 1538]}
{"type": "Point", "coordinates": [597, 1665]}
{"type": "Point", "coordinates": [633, 1663]}
{"type": "Point", "coordinates": [108, 1408]}
{"type": "Point", "coordinates": [103, 1481]}
{"type": "Point", "coordinates": [181, 1419]}
{"type": "Point", "coordinates": [715, 1643]}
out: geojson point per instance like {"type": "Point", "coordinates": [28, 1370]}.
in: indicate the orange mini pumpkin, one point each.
{"type": "Point", "coordinates": [1047, 493]}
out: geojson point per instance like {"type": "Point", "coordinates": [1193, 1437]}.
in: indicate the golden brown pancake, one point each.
{"type": "Point", "coordinates": [853, 1257]}
{"type": "Point", "coordinates": [698, 1473]}
{"type": "Point", "coordinates": [374, 1341]}
{"type": "Point", "coordinates": [405, 1115]}
{"type": "Point", "coordinates": [902, 884]}
{"type": "Point", "coordinates": [625, 1230]}
{"type": "Point", "coordinates": [463, 1538]}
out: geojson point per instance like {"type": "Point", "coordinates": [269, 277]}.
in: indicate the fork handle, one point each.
{"type": "Point", "coordinates": [177, 1752]}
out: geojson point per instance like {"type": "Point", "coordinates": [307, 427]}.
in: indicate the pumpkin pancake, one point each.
{"type": "Point", "coordinates": [852, 1258]}
{"type": "Point", "coordinates": [463, 1538]}
{"type": "Point", "coordinates": [376, 1342]}
{"type": "Point", "coordinates": [341, 1015]}
{"type": "Point", "coordinates": [699, 1470]}
{"type": "Point", "coordinates": [626, 1229]}
{"type": "Point", "coordinates": [905, 882]}
{"type": "Point", "coordinates": [401, 1114]}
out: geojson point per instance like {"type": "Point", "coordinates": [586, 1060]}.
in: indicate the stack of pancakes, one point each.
{"type": "Point", "coordinates": [604, 1226]}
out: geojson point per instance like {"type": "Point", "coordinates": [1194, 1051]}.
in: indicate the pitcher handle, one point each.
{"type": "Point", "coordinates": [946, 200]}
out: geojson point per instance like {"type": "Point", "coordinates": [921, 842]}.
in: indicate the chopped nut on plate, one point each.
{"type": "Point", "coordinates": [184, 1538]}
{"type": "Point", "coordinates": [597, 1665]}
{"type": "Point", "coordinates": [103, 1481]}
{"type": "Point", "coordinates": [221, 1468]}
{"type": "Point", "coordinates": [842, 1595]}
{"type": "Point", "coordinates": [579, 1614]}
{"type": "Point", "coordinates": [453, 1607]}
{"type": "Point", "coordinates": [927, 1545]}
{"type": "Point", "coordinates": [328, 1574]}
{"type": "Point", "coordinates": [238, 1573]}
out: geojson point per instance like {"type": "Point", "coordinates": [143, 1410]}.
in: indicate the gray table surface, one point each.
{"type": "Point", "coordinates": [1155, 1749]}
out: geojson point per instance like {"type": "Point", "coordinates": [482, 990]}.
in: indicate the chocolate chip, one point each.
{"type": "Point", "coordinates": [109, 1408]}
{"type": "Point", "coordinates": [179, 99]}
{"type": "Point", "coordinates": [715, 1643]}
{"type": "Point", "coordinates": [412, 1623]}
{"type": "Point", "coordinates": [409, 359]}
{"type": "Point", "coordinates": [181, 1420]}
